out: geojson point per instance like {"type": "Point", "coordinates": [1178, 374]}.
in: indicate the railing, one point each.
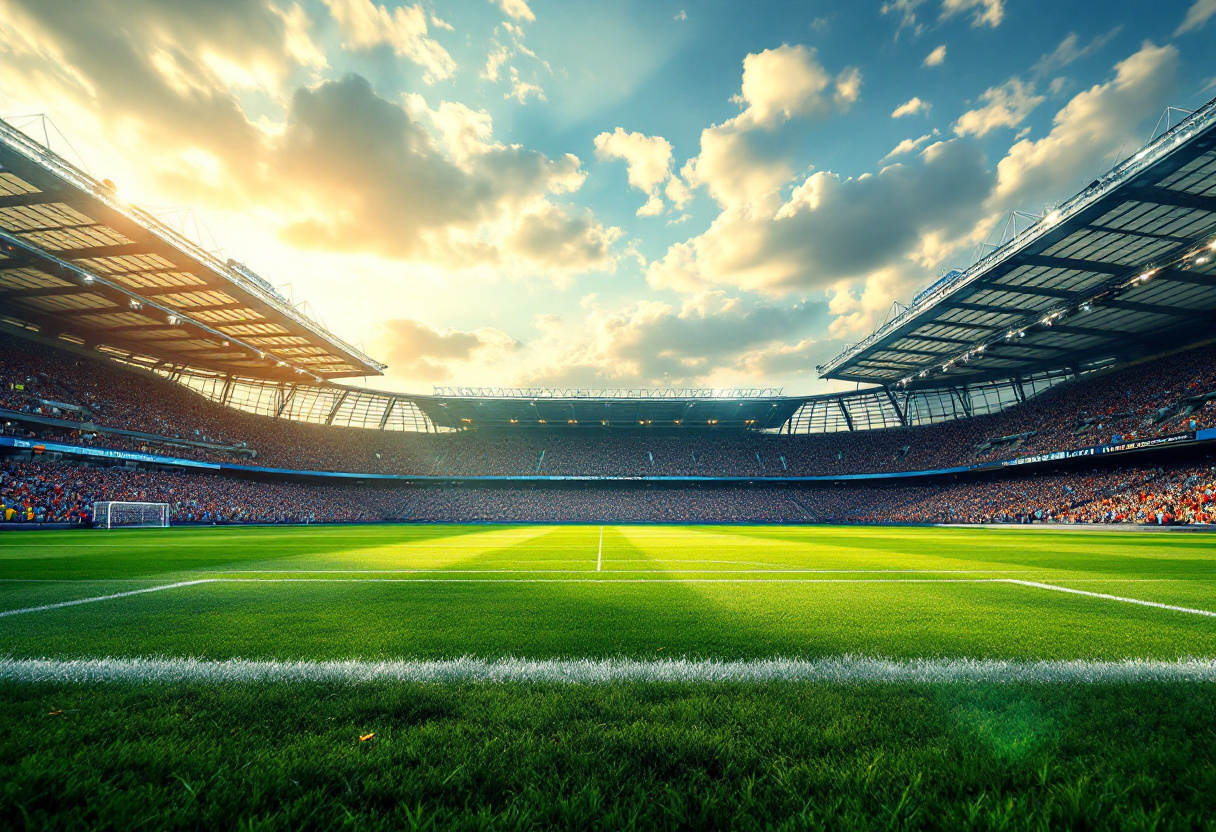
{"type": "Point", "coordinates": [607, 393]}
{"type": "Point", "coordinates": [57, 165]}
{"type": "Point", "coordinates": [1149, 155]}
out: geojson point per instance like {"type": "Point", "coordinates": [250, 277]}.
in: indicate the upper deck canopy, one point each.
{"type": "Point", "coordinates": [76, 260]}
{"type": "Point", "coordinates": [1123, 269]}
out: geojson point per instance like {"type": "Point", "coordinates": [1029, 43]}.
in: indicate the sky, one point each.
{"type": "Point", "coordinates": [600, 194]}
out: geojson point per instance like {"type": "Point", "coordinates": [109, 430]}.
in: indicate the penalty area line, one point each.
{"type": "Point", "coordinates": [599, 558]}
{"type": "Point", "coordinates": [110, 597]}
{"type": "Point", "coordinates": [1104, 596]}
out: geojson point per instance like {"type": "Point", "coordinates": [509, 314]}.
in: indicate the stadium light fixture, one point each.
{"type": "Point", "coordinates": [174, 320]}
{"type": "Point", "coordinates": [1085, 307]}
{"type": "Point", "coordinates": [1146, 276]}
{"type": "Point", "coordinates": [135, 305]}
{"type": "Point", "coordinates": [1199, 261]}
{"type": "Point", "coordinates": [572, 421]}
{"type": "Point", "coordinates": [88, 280]}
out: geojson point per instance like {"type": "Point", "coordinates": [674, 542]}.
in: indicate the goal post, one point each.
{"type": "Point", "coordinates": [120, 514]}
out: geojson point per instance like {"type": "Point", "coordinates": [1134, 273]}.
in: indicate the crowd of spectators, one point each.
{"type": "Point", "coordinates": [64, 492]}
{"type": "Point", "coordinates": [60, 492]}
{"type": "Point", "coordinates": [624, 504]}
{"type": "Point", "coordinates": [1149, 399]}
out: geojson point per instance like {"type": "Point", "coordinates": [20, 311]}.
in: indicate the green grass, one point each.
{"type": "Point", "coordinates": [660, 756]}
{"type": "Point", "coordinates": [611, 756]}
{"type": "Point", "coordinates": [725, 592]}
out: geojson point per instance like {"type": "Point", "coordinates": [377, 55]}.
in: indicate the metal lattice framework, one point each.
{"type": "Point", "coordinates": [1122, 270]}
{"type": "Point", "coordinates": [869, 409]}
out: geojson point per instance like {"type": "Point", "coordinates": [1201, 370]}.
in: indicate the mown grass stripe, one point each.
{"type": "Point", "coordinates": [843, 669]}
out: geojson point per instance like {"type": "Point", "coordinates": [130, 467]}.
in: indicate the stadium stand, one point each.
{"type": "Point", "coordinates": [148, 369]}
{"type": "Point", "coordinates": [1153, 398]}
{"type": "Point", "coordinates": [59, 492]}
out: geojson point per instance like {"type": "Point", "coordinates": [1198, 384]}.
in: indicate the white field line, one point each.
{"type": "Point", "coordinates": [216, 580]}
{"type": "Point", "coordinates": [847, 669]}
{"type": "Point", "coordinates": [1103, 595]}
{"type": "Point", "coordinates": [599, 558]}
{"type": "Point", "coordinates": [621, 571]}
{"type": "Point", "coordinates": [105, 597]}
{"type": "Point", "coordinates": [608, 580]}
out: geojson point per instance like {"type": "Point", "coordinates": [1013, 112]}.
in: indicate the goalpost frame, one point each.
{"type": "Point", "coordinates": [144, 515]}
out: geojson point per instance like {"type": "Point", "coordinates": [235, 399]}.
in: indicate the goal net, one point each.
{"type": "Point", "coordinates": [115, 514]}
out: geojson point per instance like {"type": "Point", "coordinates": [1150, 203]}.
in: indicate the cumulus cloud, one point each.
{"type": "Point", "coordinates": [1004, 106]}
{"type": "Point", "coordinates": [365, 25]}
{"type": "Point", "coordinates": [563, 240]}
{"type": "Point", "coordinates": [422, 353]}
{"type": "Point", "coordinates": [936, 57]}
{"type": "Point", "coordinates": [787, 82]}
{"type": "Point", "coordinates": [515, 9]}
{"type": "Point", "coordinates": [1196, 16]}
{"type": "Point", "coordinates": [911, 107]}
{"type": "Point", "coordinates": [373, 178]}
{"type": "Point", "coordinates": [160, 75]}
{"type": "Point", "coordinates": [1091, 127]}
{"type": "Point", "coordinates": [648, 159]}
{"type": "Point", "coordinates": [834, 228]}
{"type": "Point", "coordinates": [344, 170]}
{"type": "Point", "coordinates": [744, 160]}
{"type": "Point", "coordinates": [983, 12]}
{"type": "Point", "coordinates": [709, 337]}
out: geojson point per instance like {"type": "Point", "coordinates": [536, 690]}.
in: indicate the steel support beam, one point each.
{"type": "Point", "coordinates": [899, 411]}
{"type": "Point", "coordinates": [1167, 196]}
{"type": "Point", "coordinates": [848, 417]}
{"type": "Point", "coordinates": [333, 411]}
{"type": "Point", "coordinates": [1071, 263]}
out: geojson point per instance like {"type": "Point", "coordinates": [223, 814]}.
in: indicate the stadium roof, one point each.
{"type": "Point", "coordinates": [1125, 268]}
{"type": "Point", "coordinates": [463, 408]}
{"type": "Point", "coordinates": [77, 261]}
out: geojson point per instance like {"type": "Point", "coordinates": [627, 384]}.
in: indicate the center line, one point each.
{"type": "Point", "coordinates": [599, 558]}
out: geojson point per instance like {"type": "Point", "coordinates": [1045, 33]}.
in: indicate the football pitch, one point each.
{"type": "Point", "coordinates": [581, 676]}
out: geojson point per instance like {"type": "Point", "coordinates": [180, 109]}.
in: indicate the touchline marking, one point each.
{"type": "Point", "coordinates": [106, 597]}
{"type": "Point", "coordinates": [599, 558]}
{"type": "Point", "coordinates": [1156, 604]}
{"type": "Point", "coordinates": [846, 669]}
{"type": "Point", "coordinates": [630, 572]}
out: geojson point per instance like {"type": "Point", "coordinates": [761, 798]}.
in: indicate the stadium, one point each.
{"type": "Point", "coordinates": [975, 591]}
